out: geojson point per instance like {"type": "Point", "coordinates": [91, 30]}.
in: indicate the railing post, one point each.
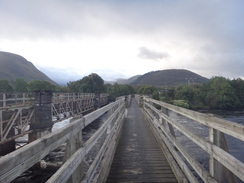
{"type": "Point", "coordinates": [41, 123]}
{"type": "Point", "coordinates": [164, 122]}
{"type": "Point", "coordinates": [216, 169]}
{"type": "Point", "coordinates": [73, 144]}
{"type": "Point", "coordinates": [97, 101]}
{"type": "Point", "coordinates": [4, 100]}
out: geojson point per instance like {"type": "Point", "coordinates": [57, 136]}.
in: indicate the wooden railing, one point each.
{"type": "Point", "coordinates": [223, 167]}
{"type": "Point", "coordinates": [10, 100]}
{"type": "Point", "coordinates": [14, 164]}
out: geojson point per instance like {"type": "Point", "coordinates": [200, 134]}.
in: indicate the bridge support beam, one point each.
{"type": "Point", "coordinates": [41, 123]}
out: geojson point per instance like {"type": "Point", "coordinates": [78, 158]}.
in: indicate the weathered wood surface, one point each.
{"type": "Point", "coordinates": [217, 154]}
{"type": "Point", "coordinates": [15, 163]}
{"type": "Point", "coordinates": [138, 157]}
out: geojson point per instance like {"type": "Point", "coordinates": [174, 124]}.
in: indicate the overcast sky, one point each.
{"type": "Point", "coordinates": [69, 39]}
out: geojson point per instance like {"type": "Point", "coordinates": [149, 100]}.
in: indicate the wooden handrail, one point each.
{"type": "Point", "coordinates": [17, 162]}
{"type": "Point", "coordinates": [160, 120]}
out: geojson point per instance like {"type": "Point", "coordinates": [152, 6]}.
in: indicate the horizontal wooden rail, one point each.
{"type": "Point", "coordinates": [164, 126]}
{"type": "Point", "coordinates": [14, 164]}
{"type": "Point", "coordinates": [234, 129]}
{"type": "Point", "coordinates": [63, 174]}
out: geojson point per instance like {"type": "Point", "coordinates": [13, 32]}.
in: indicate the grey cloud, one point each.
{"type": "Point", "coordinates": [146, 53]}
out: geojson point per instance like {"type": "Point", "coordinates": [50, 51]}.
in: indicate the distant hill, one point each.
{"type": "Point", "coordinates": [14, 66]}
{"type": "Point", "coordinates": [127, 81]}
{"type": "Point", "coordinates": [169, 78]}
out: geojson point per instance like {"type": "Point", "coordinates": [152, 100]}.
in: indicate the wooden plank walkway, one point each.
{"type": "Point", "coordinates": [138, 157]}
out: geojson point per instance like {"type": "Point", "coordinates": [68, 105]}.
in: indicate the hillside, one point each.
{"type": "Point", "coordinates": [14, 66]}
{"type": "Point", "coordinates": [169, 78]}
{"type": "Point", "coordinates": [127, 81]}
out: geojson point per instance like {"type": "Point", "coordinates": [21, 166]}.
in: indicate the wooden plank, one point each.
{"type": "Point", "coordinates": [171, 150]}
{"type": "Point", "coordinates": [91, 173]}
{"type": "Point", "coordinates": [109, 153]}
{"type": "Point", "coordinates": [66, 170]}
{"type": "Point", "coordinates": [73, 144]}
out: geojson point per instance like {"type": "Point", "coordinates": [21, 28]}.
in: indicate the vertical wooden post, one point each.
{"type": "Point", "coordinates": [41, 123]}
{"type": "Point", "coordinates": [97, 101]}
{"type": "Point", "coordinates": [217, 170]}
{"type": "Point", "coordinates": [1, 125]}
{"type": "Point", "coordinates": [211, 158]}
{"type": "Point", "coordinates": [171, 129]}
{"type": "Point", "coordinates": [73, 144]}
{"type": "Point", "coordinates": [4, 100]}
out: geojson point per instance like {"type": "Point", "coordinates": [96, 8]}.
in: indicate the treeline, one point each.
{"type": "Point", "coordinates": [217, 93]}
{"type": "Point", "coordinates": [20, 85]}
{"type": "Point", "coordinates": [92, 83]}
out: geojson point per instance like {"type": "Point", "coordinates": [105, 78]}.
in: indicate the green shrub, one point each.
{"type": "Point", "coordinates": [181, 103]}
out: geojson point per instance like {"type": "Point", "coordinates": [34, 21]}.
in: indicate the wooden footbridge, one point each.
{"type": "Point", "coordinates": [139, 140]}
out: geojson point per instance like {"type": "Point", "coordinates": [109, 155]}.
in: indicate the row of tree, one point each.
{"type": "Point", "coordinates": [92, 83]}
{"type": "Point", "coordinates": [217, 93]}
{"type": "Point", "coordinates": [20, 85]}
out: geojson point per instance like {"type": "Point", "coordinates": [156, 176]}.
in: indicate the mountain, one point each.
{"type": "Point", "coordinates": [169, 78]}
{"type": "Point", "coordinates": [127, 81]}
{"type": "Point", "coordinates": [14, 66]}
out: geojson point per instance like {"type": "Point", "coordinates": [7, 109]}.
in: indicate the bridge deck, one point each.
{"type": "Point", "coordinates": [138, 157]}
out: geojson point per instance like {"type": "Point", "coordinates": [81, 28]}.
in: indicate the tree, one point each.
{"type": "Point", "coordinates": [191, 94]}
{"type": "Point", "coordinates": [148, 90]}
{"type": "Point", "coordinates": [5, 86]}
{"type": "Point", "coordinates": [220, 94]}
{"type": "Point", "coordinates": [74, 86]}
{"type": "Point", "coordinates": [117, 90]}
{"type": "Point", "coordinates": [20, 85]}
{"type": "Point", "coordinates": [92, 83]}
{"type": "Point", "coordinates": [238, 85]}
{"type": "Point", "coordinates": [40, 85]}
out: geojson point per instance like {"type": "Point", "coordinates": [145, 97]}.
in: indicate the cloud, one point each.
{"type": "Point", "coordinates": [146, 53]}
{"type": "Point", "coordinates": [198, 35]}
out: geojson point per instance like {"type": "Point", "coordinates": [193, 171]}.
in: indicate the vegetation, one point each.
{"type": "Point", "coordinates": [181, 103]}
{"type": "Point", "coordinates": [218, 93]}
{"type": "Point", "coordinates": [92, 83]}
{"type": "Point", "coordinates": [5, 86]}
{"type": "Point", "coordinates": [40, 85]}
{"type": "Point", "coordinates": [117, 90]}
{"type": "Point", "coordinates": [20, 85]}
{"type": "Point", "coordinates": [151, 91]}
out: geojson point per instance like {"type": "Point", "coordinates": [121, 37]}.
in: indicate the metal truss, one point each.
{"type": "Point", "coordinates": [66, 105]}
{"type": "Point", "coordinates": [17, 110]}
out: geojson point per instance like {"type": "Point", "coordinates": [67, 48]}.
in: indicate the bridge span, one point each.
{"type": "Point", "coordinates": [142, 141]}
